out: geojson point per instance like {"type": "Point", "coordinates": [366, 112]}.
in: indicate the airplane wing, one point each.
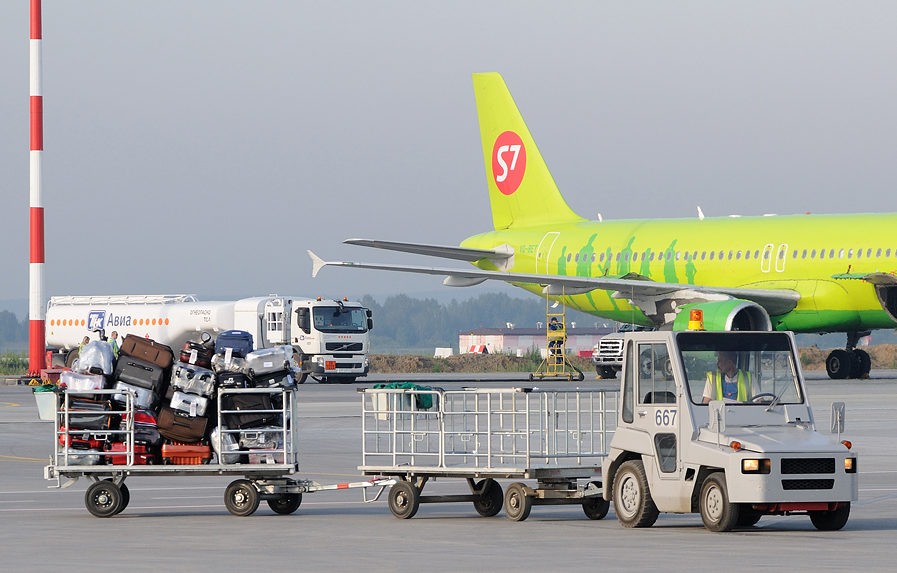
{"type": "Point", "coordinates": [501, 257]}
{"type": "Point", "coordinates": [652, 297]}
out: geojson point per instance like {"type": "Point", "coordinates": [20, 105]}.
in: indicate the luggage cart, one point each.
{"type": "Point", "coordinates": [556, 437]}
{"type": "Point", "coordinates": [108, 495]}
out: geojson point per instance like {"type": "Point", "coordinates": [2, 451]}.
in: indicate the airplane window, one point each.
{"type": "Point", "coordinates": [686, 256]}
{"type": "Point", "coordinates": [618, 257]}
{"type": "Point", "coordinates": [781, 254]}
{"type": "Point", "coordinates": [678, 253]}
{"type": "Point", "coordinates": [576, 258]}
{"type": "Point", "coordinates": [721, 253]}
{"type": "Point", "coordinates": [868, 253]}
{"type": "Point", "coordinates": [813, 254]}
{"type": "Point", "coordinates": [703, 255]}
{"type": "Point", "coordinates": [738, 256]}
{"type": "Point", "coordinates": [831, 253]}
{"type": "Point", "coordinates": [822, 253]}
{"type": "Point", "coordinates": [887, 252]}
{"type": "Point", "coordinates": [794, 256]}
{"type": "Point", "coordinates": [660, 256]}
{"type": "Point", "coordinates": [859, 253]}
{"type": "Point", "coordinates": [601, 258]}
{"type": "Point", "coordinates": [840, 253]}
{"type": "Point", "coordinates": [694, 256]}
{"type": "Point", "coordinates": [765, 255]}
{"type": "Point", "coordinates": [712, 253]}
{"type": "Point", "coordinates": [849, 253]}
{"type": "Point", "coordinates": [652, 256]}
{"type": "Point", "coordinates": [757, 254]}
{"type": "Point", "coordinates": [730, 255]}
{"type": "Point", "coordinates": [568, 256]}
{"type": "Point", "coordinates": [593, 257]}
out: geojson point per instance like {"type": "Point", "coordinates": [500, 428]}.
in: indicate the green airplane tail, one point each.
{"type": "Point", "coordinates": [521, 189]}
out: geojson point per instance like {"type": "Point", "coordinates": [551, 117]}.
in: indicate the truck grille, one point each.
{"type": "Point", "coordinates": [611, 348]}
{"type": "Point", "coordinates": [344, 346]}
{"type": "Point", "coordinates": [808, 466]}
{"type": "Point", "coordinates": [792, 484]}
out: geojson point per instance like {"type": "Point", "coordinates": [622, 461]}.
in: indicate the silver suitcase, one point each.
{"type": "Point", "coordinates": [268, 360]}
{"type": "Point", "coordinates": [191, 404]}
{"type": "Point", "coordinates": [193, 379]}
{"type": "Point", "coordinates": [228, 444]}
{"type": "Point", "coordinates": [143, 397]}
{"type": "Point", "coordinates": [84, 385]}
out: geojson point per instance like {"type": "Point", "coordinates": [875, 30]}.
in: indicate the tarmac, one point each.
{"type": "Point", "coordinates": [179, 523]}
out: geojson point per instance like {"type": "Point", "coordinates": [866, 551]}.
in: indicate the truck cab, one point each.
{"type": "Point", "coordinates": [719, 423]}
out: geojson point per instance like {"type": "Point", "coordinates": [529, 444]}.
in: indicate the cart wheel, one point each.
{"type": "Point", "coordinates": [489, 503]}
{"type": "Point", "coordinates": [517, 503]}
{"type": "Point", "coordinates": [286, 504]}
{"type": "Point", "coordinates": [404, 499]}
{"type": "Point", "coordinates": [241, 498]}
{"type": "Point", "coordinates": [125, 496]}
{"type": "Point", "coordinates": [103, 498]}
{"type": "Point", "coordinates": [595, 506]}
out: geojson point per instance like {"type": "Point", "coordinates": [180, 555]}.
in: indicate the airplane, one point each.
{"type": "Point", "coordinates": [805, 273]}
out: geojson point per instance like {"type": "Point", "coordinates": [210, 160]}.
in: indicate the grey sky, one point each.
{"type": "Point", "coordinates": [202, 146]}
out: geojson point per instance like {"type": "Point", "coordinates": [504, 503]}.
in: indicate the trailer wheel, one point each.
{"type": "Point", "coordinates": [517, 503]}
{"type": "Point", "coordinates": [286, 504]}
{"type": "Point", "coordinates": [717, 512]}
{"type": "Point", "coordinates": [595, 506]}
{"type": "Point", "coordinates": [103, 498]}
{"type": "Point", "coordinates": [632, 497]}
{"type": "Point", "coordinates": [241, 498]}
{"type": "Point", "coordinates": [489, 502]}
{"type": "Point", "coordinates": [404, 499]}
{"type": "Point", "coordinates": [125, 496]}
{"type": "Point", "coordinates": [831, 520]}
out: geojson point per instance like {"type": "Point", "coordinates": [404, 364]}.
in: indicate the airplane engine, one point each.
{"type": "Point", "coordinates": [733, 314]}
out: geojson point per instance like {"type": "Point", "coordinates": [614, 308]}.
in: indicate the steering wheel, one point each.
{"type": "Point", "coordinates": [763, 398]}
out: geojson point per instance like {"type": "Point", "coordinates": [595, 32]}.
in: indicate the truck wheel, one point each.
{"type": "Point", "coordinates": [632, 497]}
{"type": "Point", "coordinates": [595, 506]}
{"type": "Point", "coordinates": [717, 512]}
{"type": "Point", "coordinates": [517, 503]}
{"type": "Point", "coordinates": [489, 503]}
{"type": "Point", "coordinates": [404, 499]}
{"type": "Point", "coordinates": [831, 520]}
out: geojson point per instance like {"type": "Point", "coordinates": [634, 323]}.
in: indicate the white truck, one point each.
{"type": "Point", "coordinates": [607, 355]}
{"type": "Point", "coordinates": [682, 446]}
{"type": "Point", "coordinates": [329, 337]}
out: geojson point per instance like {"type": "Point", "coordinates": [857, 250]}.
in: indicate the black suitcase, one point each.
{"type": "Point", "coordinates": [248, 415]}
{"type": "Point", "coordinates": [281, 379]}
{"type": "Point", "coordinates": [88, 415]}
{"type": "Point", "coordinates": [232, 380]}
{"type": "Point", "coordinates": [141, 373]}
{"type": "Point", "coordinates": [239, 341]}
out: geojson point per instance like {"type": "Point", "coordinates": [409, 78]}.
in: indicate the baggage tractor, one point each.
{"type": "Point", "coordinates": [193, 379]}
{"type": "Point", "coordinates": [238, 341]}
{"type": "Point", "coordinates": [88, 414]}
{"type": "Point", "coordinates": [95, 357]}
{"type": "Point", "coordinates": [267, 360]}
{"type": "Point", "coordinates": [233, 380]}
{"type": "Point", "coordinates": [222, 363]}
{"type": "Point", "coordinates": [143, 455]}
{"type": "Point", "coordinates": [82, 384]}
{"type": "Point", "coordinates": [148, 350]}
{"type": "Point", "coordinates": [186, 454]}
{"type": "Point", "coordinates": [248, 414]}
{"type": "Point", "coordinates": [197, 353]}
{"type": "Point", "coordinates": [229, 450]}
{"type": "Point", "coordinates": [140, 373]}
{"type": "Point", "coordinates": [143, 397]}
{"type": "Point", "coordinates": [190, 404]}
{"type": "Point", "coordinates": [181, 428]}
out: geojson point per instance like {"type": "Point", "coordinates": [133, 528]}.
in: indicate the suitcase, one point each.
{"type": "Point", "coordinates": [181, 428]}
{"type": "Point", "coordinates": [233, 380]}
{"type": "Point", "coordinates": [265, 457]}
{"type": "Point", "coordinates": [229, 444]}
{"type": "Point", "coordinates": [197, 353]}
{"type": "Point", "coordinates": [95, 357]}
{"type": "Point", "coordinates": [190, 404]}
{"type": "Point", "coordinates": [267, 438]}
{"type": "Point", "coordinates": [139, 373]}
{"type": "Point", "coordinates": [85, 385]}
{"type": "Point", "coordinates": [82, 457]}
{"type": "Point", "coordinates": [142, 454]}
{"type": "Point", "coordinates": [146, 431]}
{"type": "Point", "coordinates": [247, 414]}
{"type": "Point", "coordinates": [143, 398]}
{"type": "Point", "coordinates": [148, 350]}
{"type": "Point", "coordinates": [267, 360]}
{"type": "Point", "coordinates": [193, 379]}
{"type": "Point", "coordinates": [88, 415]}
{"type": "Point", "coordinates": [238, 341]}
{"type": "Point", "coordinates": [220, 363]}
{"type": "Point", "coordinates": [82, 440]}
{"type": "Point", "coordinates": [179, 453]}
{"type": "Point", "coordinates": [281, 379]}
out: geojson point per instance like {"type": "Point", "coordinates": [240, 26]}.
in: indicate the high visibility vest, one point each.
{"type": "Point", "coordinates": [114, 346]}
{"type": "Point", "coordinates": [743, 383]}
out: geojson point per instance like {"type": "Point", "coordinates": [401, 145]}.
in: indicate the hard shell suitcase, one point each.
{"type": "Point", "coordinates": [82, 440]}
{"type": "Point", "coordinates": [267, 360]}
{"type": "Point", "coordinates": [191, 404]}
{"type": "Point", "coordinates": [140, 373]}
{"type": "Point", "coordinates": [222, 363]}
{"type": "Point", "coordinates": [181, 428]}
{"type": "Point", "coordinates": [238, 341]}
{"type": "Point", "coordinates": [179, 453]}
{"type": "Point", "coordinates": [82, 457]}
{"type": "Point", "coordinates": [229, 450]}
{"type": "Point", "coordinates": [197, 353]}
{"type": "Point", "coordinates": [143, 397]}
{"type": "Point", "coordinates": [88, 414]}
{"type": "Point", "coordinates": [148, 350]}
{"type": "Point", "coordinates": [248, 414]}
{"type": "Point", "coordinates": [193, 379]}
{"type": "Point", "coordinates": [84, 385]}
{"type": "Point", "coordinates": [266, 438]}
{"type": "Point", "coordinates": [143, 455]}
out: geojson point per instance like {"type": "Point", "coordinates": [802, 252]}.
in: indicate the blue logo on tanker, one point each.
{"type": "Point", "coordinates": [96, 320]}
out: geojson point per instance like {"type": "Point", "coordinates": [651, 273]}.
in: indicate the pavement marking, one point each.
{"type": "Point", "coordinates": [9, 405]}
{"type": "Point", "coordinates": [21, 459]}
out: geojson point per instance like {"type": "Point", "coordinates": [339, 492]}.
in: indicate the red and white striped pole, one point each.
{"type": "Point", "coordinates": [36, 312]}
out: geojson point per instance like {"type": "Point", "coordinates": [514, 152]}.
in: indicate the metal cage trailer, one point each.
{"type": "Point", "coordinates": [556, 437]}
{"type": "Point", "coordinates": [270, 479]}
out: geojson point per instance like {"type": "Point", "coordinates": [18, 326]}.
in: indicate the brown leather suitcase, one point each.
{"type": "Point", "coordinates": [147, 349]}
{"type": "Point", "coordinates": [181, 428]}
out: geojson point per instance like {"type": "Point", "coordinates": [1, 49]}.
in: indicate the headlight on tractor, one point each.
{"type": "Point", "coordinates": [850, 465]}
{"type": "Point", "coordinates": [755, 466]}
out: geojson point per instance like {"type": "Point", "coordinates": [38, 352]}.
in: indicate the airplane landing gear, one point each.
{"type": "Point", "coordinates": [851, 362]}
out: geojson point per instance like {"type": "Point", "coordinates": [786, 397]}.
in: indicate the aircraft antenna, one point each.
{"type": "Point", "coordinates": [700, 213]}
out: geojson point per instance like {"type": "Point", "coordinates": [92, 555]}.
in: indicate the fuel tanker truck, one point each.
{"type": "Point", "coordinates": [329, 337]}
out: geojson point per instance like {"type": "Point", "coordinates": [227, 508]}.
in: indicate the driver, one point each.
{"type": "Point", "coordinates": [729, 383]}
